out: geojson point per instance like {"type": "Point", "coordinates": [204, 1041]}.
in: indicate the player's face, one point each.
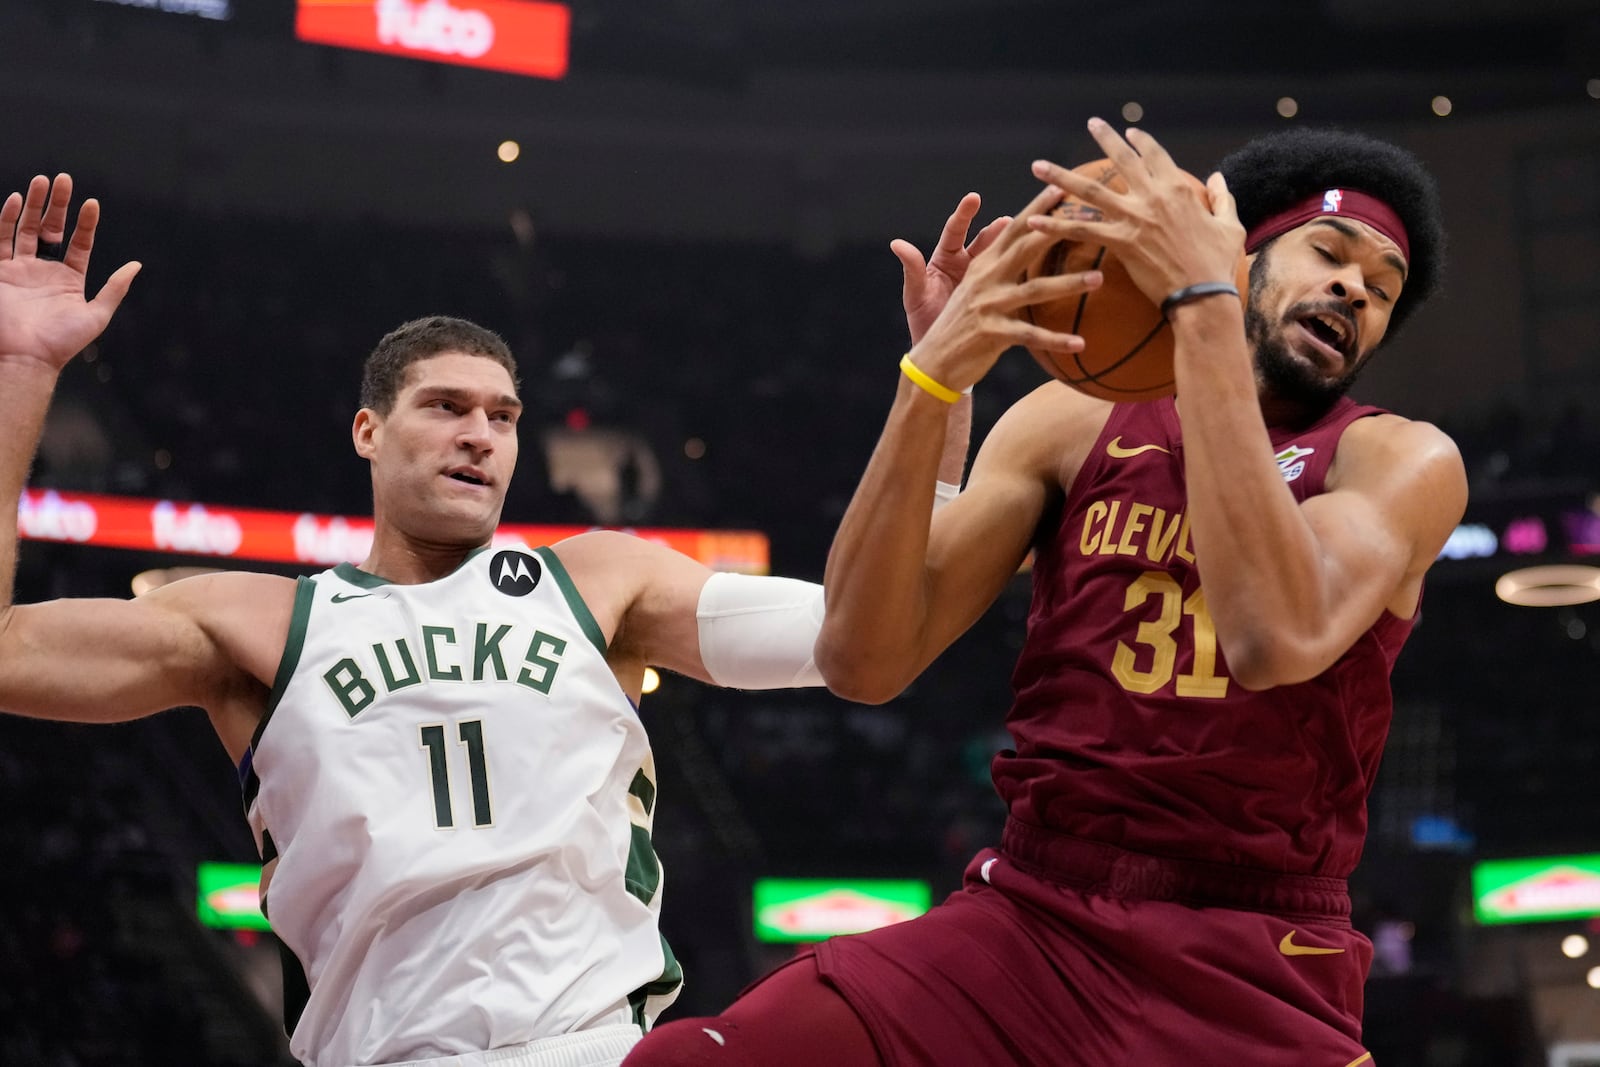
{"type": "Point", "coordinates": [1321, 297]}
{"type": "Point", "coordinates": [442, 457]}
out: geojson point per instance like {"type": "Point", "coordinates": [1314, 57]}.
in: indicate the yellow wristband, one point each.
{"type": "Point", "coordinates": [927, 384]}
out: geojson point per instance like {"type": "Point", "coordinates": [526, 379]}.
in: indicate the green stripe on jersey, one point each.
{"type": "Point", "coordinates": [305, 591]}
{"type": "Point", "coordinates": [580, 610]}
{"type": "Point", "coordinates": [643, 874]}
{"type": "Point", "coordinates": [666, 987]}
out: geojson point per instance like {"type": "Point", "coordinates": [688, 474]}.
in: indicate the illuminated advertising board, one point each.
{"type": "Point", "coordinates": [196, 529]}
{"type": "Point", "coordinates": [516, 36]}
{"type": "Point", "coordinates": [811, 909]}
{"type": "Point", "coordinates": [230, 896]}
{"type": "Point", "coordinates": [1539, 889]}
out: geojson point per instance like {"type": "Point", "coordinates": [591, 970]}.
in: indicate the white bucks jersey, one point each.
{"type": "Point", "coordinates": [453, 797]}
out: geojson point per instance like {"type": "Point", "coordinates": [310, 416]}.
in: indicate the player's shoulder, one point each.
{"type": "Point", "coordinates": [242, 621]}
{"type": "Point", "coordinates": [620, 566]}
{"type": "Point", "coordinates": [1398, 443]}
{"type": "Point", "coordinates": [225, 591]}
{"type": "Point", "coordinates": [1049, 430]}
{"type": "Point", "coordinates": [601, 549]}
{"type": "Point", "coordinates": [1411, 465]}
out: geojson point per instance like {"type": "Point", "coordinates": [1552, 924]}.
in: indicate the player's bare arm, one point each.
{"type": "Point", "coordinates": [878, 633]}
{"type": "Point", "coordinates": [1397, 489]}
{"type": "Point", "coordinates": [212, 642]}
{"type": "Point", "coordinates": [974, 547]}
{"type": "Point", "coordinates": [102, 660]}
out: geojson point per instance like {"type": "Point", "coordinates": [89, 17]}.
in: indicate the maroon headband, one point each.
{"type": "Point", "coordinates": [1345, 203]}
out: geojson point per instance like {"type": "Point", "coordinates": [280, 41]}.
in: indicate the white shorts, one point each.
{"type": "Point", "coordinates": [604, 1046]}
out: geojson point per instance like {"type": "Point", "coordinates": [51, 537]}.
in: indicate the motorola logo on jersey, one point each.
{"type": "Point", "coordinates": [514, 573]}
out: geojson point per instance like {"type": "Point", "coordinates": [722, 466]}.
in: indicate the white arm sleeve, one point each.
{"type": "Point", "coordinates": [758, 633]}
{"type": "Point", "coordinates": [943, 493]}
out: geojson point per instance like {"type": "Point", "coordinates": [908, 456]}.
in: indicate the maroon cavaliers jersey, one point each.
{"type": "Point", "coordinates": [1128, 729]}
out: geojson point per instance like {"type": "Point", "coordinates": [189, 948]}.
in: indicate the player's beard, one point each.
{"type": "Point", "coordinates": [1293, 381]}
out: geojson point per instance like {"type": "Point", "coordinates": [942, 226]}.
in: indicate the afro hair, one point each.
{"type": "Point", "coordinates": [1275, 171]}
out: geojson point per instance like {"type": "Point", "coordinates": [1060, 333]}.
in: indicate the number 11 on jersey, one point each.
{"type": "Point", "coordinates": [471, 737]}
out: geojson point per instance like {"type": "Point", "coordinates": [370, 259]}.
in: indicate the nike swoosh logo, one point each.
{"type": "Point", "coordinates": [340, 598]}
{"type": "Point", "coordinates": [1115, 450]}
{"type": "Point", "coordinates": [1289, 948]}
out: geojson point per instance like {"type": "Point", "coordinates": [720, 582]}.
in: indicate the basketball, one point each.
{"type": "Point", "coordinates": [1128, 348]}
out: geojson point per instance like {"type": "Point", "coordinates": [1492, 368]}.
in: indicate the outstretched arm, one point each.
{"type": "Point", "coordinates": [896, 598]}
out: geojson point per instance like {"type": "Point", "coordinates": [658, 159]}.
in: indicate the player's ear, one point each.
{"type": "Point", "coordinates": [364, 432]}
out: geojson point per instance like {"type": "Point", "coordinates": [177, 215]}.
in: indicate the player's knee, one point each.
{"type": "Point", "coordinates": [707, 1042]}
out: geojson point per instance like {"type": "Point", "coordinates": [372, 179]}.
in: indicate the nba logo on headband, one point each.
{"type": "Point", "coordinates": [1346, 203]}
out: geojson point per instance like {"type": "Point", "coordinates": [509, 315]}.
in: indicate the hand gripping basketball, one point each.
{"type": "Point", "coordinates": [1128, 343]}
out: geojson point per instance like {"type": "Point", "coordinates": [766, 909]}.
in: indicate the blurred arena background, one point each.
{"type": "Point", "coordinates": [683, 236]}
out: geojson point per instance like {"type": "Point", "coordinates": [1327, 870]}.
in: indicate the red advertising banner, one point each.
{"type": "Point", "coordinates": [305, 538]}
{"type": "Point", "coordinates": [517, 36]}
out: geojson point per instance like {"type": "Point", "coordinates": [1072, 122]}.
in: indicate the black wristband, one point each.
{"type": "Point", "coordinates": [1197, 291]}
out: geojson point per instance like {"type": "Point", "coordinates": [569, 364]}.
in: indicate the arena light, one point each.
{"type": "Point", "coordinates": [1549, 587]}
{"type": "Point", "coordinates": [652, 681]}
{"type": "Point", "coordinates": [516, 36]}
{"type": "Point", "coordinates": [1288, 107]}
{"type": "Point", "coordinates": [1574, 946]}
{"type": "Point", "coordinates": [219, 10]}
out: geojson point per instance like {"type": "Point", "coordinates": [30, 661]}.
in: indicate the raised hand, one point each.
{"type": "Point", "coordinates": [45, 314]}
{"type": "Point", "coordinates": [1163, 233]}
{"type": "Point", "coordinates": [928, 285]}
{"type": "Point", "coordinates": [981, 319]}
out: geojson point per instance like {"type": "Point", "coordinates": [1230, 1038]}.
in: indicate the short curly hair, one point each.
{"type": "Point", "coordinates": [1280, 169]}
{"type": "Point", "coordinates": [384, 373]}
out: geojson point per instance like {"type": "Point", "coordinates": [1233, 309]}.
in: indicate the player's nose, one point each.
{"type": "Point", "coordinates": [1348, 285]}
{"type": "Point", "coordinates": [473, 431]}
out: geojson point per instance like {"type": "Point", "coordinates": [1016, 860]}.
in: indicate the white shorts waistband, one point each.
{"type": "Point", "coordinates": [604, 1046]}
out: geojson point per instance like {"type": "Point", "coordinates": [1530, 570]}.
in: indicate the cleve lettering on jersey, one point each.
{"type": "Point", "coordinates": [1142, 530]}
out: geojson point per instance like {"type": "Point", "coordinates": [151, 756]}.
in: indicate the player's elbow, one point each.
{"type": "Point", "coordinates": [858, 674]}
{"type": "Point", "coordinates": [1268, 660]}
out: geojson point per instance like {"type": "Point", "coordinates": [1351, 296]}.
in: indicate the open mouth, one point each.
{"type": "Point", "coordinates": [468, 477]}
{"type": "Point", "coordinates": [1331, 331]}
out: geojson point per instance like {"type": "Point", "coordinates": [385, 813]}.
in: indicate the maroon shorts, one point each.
{"type": "Point", "coordinates": [1023, 967]}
